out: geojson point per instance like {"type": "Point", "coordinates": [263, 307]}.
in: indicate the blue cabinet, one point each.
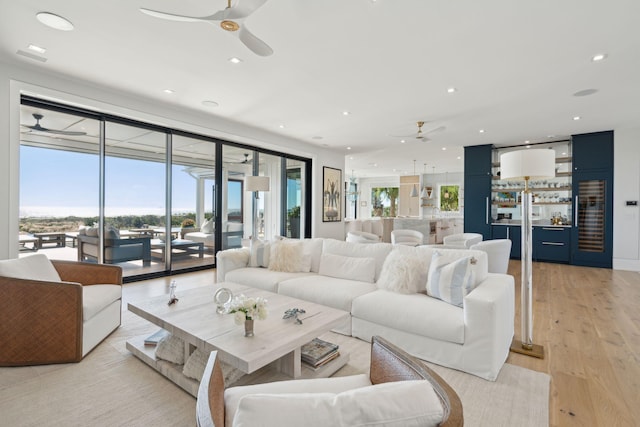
{"type": "Point", "coordinates": [592, 235]}
{"type": "Point", "coordinates": [552, 244]}
{"type": "Point", "coordinates": [477, 190]}
{"type": "Point", "coordinates": [511, 232]}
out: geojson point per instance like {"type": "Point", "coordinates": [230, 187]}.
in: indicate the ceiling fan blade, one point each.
{"type": "Point", "coordinates": [254, 44]}
{"type": "Point", "coordinates": [39, 128]}
{"type": "Point", "coordinates": [438, 129]}
{"type": "Point", "coordinates": [218, 16]}
{"type": "Point", "coordinates": [244, 8]}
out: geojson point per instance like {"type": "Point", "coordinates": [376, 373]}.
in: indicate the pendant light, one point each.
{"type": "Point", "coordinates": [446, 185]}
{"type": "Point", "coordinates": [414, 190]}
{"type": "Point", "coordinates": [423, 193]}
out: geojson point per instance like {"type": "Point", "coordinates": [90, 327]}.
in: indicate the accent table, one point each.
{"type": "Point", "coordinates": [277, 342]}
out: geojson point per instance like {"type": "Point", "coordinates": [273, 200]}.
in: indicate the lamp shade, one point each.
{"type": "Point", "coordinates": [256, 183]}
{"type": "Point", "coordinates": [532, 164]}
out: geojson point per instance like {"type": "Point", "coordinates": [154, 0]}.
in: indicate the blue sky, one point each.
{"type": "Point", "coordinates": [53, 182]}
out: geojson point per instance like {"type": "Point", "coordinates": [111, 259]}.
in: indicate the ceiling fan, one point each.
{"type": "Point", "coordinates": [420, 135]}
{"type": "Point", "coordinates": [230, 19]}
{"type": "Point", "coordinates": [38, 127]}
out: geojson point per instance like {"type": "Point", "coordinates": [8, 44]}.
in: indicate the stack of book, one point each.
{"type": "Point", "coordinates": [318, 353]}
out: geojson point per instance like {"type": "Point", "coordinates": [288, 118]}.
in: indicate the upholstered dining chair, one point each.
{"type": "Point", "coordinates": [407, 237]}
{"type": "Point", "coordinates": [498, 254]}
{"type": "Point", "coordinates": [462, 240]}
{"type": "Point", "coordinates": [391, 371]}
{"type": "Point", "coordinates": [362, 237]}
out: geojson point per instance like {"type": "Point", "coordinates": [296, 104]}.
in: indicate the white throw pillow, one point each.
{"type": "Point", "coordinates": [403, 271]}
{"type": "Point", "coordinates": [450, 282]}
{"type": "Point", "coordinates": [288, 256]}
{"type": "Point", "coordinates": [260, 253]}
{"type": "Point", "coordinates": [347, 267]}
{"type": "Point", "coordinates": [207, 227]}
{"type": "Point", "coordinates": [392, 404]}
{"type": "Point", "coordinates": [33, 267]}
{"type": "Point", "coordinates": [171, 348]}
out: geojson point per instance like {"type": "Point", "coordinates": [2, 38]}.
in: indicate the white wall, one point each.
{"type": "Point", "coordinates": [16, 80]}
{"type": "Point", "coordinates": [626, 186]}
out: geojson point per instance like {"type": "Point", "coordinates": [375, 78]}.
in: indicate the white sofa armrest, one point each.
{"type": "Point", "coordinates": [489, 312]}
{"type": "Point", "coordinates": [229, 260]}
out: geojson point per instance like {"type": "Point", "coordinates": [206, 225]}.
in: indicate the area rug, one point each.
{"type": "Point", "coordinates": [110, 387]}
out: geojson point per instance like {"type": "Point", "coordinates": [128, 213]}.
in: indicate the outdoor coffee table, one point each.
{"type": "Point", "coordinates": [179, 248]}
{"type": "Point", "coordinates": [277, 342]}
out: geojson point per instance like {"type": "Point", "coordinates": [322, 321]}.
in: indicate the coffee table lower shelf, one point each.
{"type": "Point", "coordinates": [269, 373]}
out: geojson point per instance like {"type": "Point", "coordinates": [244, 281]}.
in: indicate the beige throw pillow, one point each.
{"type": "Point", "coordinates": [288, 256]}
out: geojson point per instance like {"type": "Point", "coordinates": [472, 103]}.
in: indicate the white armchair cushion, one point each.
{"type": "Point", "coordinates": [346, 267]}
{"type": "Point", "coordinates": [34, 267]}
{"type": "Point", "coordinates": [401, 404]}
{"type": "Point", "coordinates": [96, 297]}
{"type": "Point", "coordinates": [450, 282]}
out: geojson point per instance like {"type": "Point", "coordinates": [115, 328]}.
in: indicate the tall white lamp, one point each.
{"type": "Point", "coordinates": [526, 165]}
{"type": "Point", "coordinates": [256, 184]}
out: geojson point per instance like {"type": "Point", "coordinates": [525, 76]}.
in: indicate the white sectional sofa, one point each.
{"type": "Point", "coordinates": [384, 288]}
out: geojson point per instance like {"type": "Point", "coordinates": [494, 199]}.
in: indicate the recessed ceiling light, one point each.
{"type": "Point", "coordinates": [564, 154]}
{"type": "Point", "coordinates": [281, 126]}
{"type": "Point", "coordinates": [481, 131]}
{"type": "Point", "coordinates": [35, 48]}
{"type": "Point", "coordinates": [351, 158]}
{"type": "Point", "coordinates": [551, 136]}
{"type": "Point", "coordinates": [210, 103]}
{"type": "Point", "coordinates": [345, 113]}
{"type": "Point", "coordinates": [527, 141]}
{"type": "Point", "coordinates": [444, 148]}
{"type": "Point", "coordinates": [54, 21]}
{"type": "Point", "coordinates": [528, 146]}
{"type": "Point", "coordinates": [599, 57]}
{"type": "Point", "coordinates": [169, 91]}
{"type": "Point", "coordinates": [576, 118]}
{"type": "Point", "coordinates": [402, 141]}
{"type": "Point", "coordinates": [235, 60]}
{"type": "Point", "coordinates": [452, 90]}
{"type": "Point", "coordinates": [348, 148]}
{"type": "Point", "coordinates": [459, 157]}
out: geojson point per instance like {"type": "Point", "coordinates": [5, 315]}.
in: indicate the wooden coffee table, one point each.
{"type": "Point", "coordinates": [276, 344]}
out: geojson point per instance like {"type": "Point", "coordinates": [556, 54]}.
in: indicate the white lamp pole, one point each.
{"type": "Point", "coordinates": [256, 184]}
{"type": "Point", "coordinates": [526, 165]}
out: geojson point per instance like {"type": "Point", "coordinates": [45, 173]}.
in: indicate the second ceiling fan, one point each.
{"type": "Point", "coordinates": [229, 19]}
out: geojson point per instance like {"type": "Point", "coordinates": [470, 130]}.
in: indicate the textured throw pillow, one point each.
{"type": "Point", "coordinates": [403, 272]}
{"type": "Point", "coordinates": [207, 227]}
{"type": "Point", "coordinates": [450, 282]}
{"type": "Point", "coordinates": [347, 267]}
{"type": "Point", "coordinates": [288, 256]}
{"type": "Point", "coordinates": [391, 404]}
{"type": "Point", "coordinates": [92, 232]}
{"type": "Point", "coordinates": [260, 252]}
{"type": "Point", "coordinates": [171, 348]}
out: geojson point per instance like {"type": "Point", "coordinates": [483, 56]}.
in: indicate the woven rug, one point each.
{"type": "Point", "coordinates": [110, 387]}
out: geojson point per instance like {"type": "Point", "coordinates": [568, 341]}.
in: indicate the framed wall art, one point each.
{"type": "Point", "coordinates": [331, 196]}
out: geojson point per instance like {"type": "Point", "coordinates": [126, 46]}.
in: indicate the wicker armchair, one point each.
{"type": "Point", "coordinates": [388, 364]}
{"type": "Point", "coordinates": [42, 321]}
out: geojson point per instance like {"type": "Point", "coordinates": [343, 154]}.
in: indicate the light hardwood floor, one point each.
{"type": "Point", "coordinates": [587, 319]}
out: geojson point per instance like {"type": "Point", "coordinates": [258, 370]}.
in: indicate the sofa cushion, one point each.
{"type": "Point", "coordinates": [97, 297]}
{"type": "Point", "coordinates": [347, 267]}
{"type": "Point", "coordinates": [261, 278]}
{"type": "Point", "coordinates": [391, 404]}
{"type": "Point", "coordinates": [404, 270]}
{"type": "Point", "coordinates": [329, 291]}
{"type": "Point", "coordinates": [260, 253]}
{"type": "Point", "coordinates": [377, 251]}
{"type": "Point", "coordinates": [33, 267]}
{"type": "Point", "coordinates": [418, 314]}
{"type": "Point", "coordinates": [450, 281]}
{"type": "Point", "coordinates": [288, 256]}
{"type": "Point", "coordinates": [232, 395]}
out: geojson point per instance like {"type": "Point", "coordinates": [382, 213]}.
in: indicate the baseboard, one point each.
{"type": "Point", "coordinates": [626, 264]}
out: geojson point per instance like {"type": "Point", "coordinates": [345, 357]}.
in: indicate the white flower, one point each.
{"type": "Point", "coordinates": [248, 308]}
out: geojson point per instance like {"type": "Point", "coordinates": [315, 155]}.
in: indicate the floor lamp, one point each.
{"type": "Point", "coordinates": [526, 165]}
{"type": "Point", "coordinates": [256, 184]}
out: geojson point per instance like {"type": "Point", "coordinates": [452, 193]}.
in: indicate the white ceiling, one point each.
{"type": "Point", "coordinates": [515, 64]}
